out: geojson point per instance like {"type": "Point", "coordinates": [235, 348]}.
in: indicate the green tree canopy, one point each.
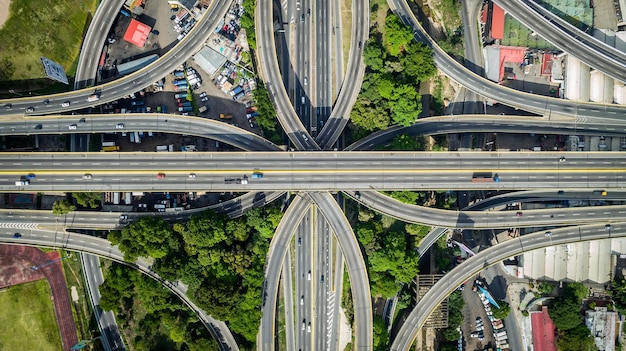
{"type": "Point", "coordinates": [575, 339]}
{"type": "Point", "coordinates": [397, 35]}
{"type": "Point", "coordinates": [418, 62]}
{"type": "Point", "coordinates": [61, 207]}
{"type": "Point", "coordinates": [146, 237]}
{"type": "Point", "coordinates": [501, 312]}
{"type": "Point", "coordinates": [565, 313]}
{"type": "Point", "coordinates": [90, 200]}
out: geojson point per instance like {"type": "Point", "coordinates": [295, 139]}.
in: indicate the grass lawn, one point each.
{"type": "Point", "coordinates": [42, 28]}
{"type": "Point", "coordinates": [27, 318]}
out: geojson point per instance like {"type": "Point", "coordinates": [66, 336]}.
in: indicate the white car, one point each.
{"type": "Point", "coordinates": [87, 176]}
{"type": "Point", "coordinates": [192, 175]}
{"type": "Point", "coordinates": [72, 126]}
{"type": "Point", "coordinates": [65, 104]}
{"type": "Point", "coordinates": [119, 126]}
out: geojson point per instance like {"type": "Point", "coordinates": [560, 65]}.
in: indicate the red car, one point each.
{"type": "Point", "coordinates": [160, 175]}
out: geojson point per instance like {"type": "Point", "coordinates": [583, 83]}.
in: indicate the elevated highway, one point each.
{"type": "Point", "coordinates": [311, 171]}
{"type": "Point", "coordinates": [489, 257]}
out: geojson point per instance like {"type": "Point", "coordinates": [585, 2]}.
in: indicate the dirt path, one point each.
{"type": "Point", "coordinates": [4, 11]}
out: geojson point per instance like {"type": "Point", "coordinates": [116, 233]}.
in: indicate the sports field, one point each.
{"type": "Point", "coordinates": [42, 28]}
{"type": "Point", "coordinates": [27, 318]}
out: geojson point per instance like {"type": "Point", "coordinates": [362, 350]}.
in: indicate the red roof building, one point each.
{"type": "Point", "coordinates": [543, 331]}
{"type": "Point", "coordinates": [497, 22]}
{"type": "Point", "coordinates": [137, 33]}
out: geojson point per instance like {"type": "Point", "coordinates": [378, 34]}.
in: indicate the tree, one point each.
{"type": "Point", "coordinates": [418, 62]}
{"type": "Point", "coordinates": [418, 231]}
{"type": "Point", "coordinates": [61, 207]}
{"type": "Point", "coordinates": [87, 199]}
{"type": "Point", "coordinates": [575, 339]}
{"type": "Point", "coordinates": [397, 35]}
{"type": "Point", "coordinates": [406, 196]}
{"type": "Point", "coordinates": [501, 312]}
{"type": "Point", "coordinates": [578, 290]}
{"type": "Point", "coordinates": [618, 290]}
{"type": "Point", "coordinates": [381, 337]}
{"type": "Point", "coordinates": [373, 55]}
{"type": "Point", "coordinates": [146, 237]}
{"type": "Point", "coordinates": [405, 142]}
{"type": "Point", "coordinates": [565, 313]}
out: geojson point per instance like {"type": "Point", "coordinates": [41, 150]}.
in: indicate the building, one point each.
{"type": "Point", "coordinates": [589, 262]}
{"type": "Point", "coordinates": [601, 323]}
{"type": "Point", "coordinates": [209, 60]}
{"type": "Point", "coordinates": [137, 33]}
{"type": "Point", "coordinates": [134, 65]}
{"type": "Point", "coordinates": [544, 330]}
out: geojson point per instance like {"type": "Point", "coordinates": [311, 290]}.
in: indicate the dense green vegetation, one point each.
{"type": "Point", "coordinates": [455, 318]}
{"type": "Point", "coordinates": [42, 28]}
{"type": "Point", "coordinates": [267, 114]}
{"type": "Point", "coordinates": [27, 319]}
{"type": "Point", "coordinates": [221, 259]}
{"type": "Point", "coordinates": [61, 207]}
{"type": "Point", "coordinates": [152, 316]}
{"type": "Point", "coordinates": [395, 66]}
{"type": "Point", "coordinates": [390, 252]}
{"type": "Point", "coordinates": [89, 200]}
{"type": "Point", "coordinates": [380, 335]}
{"type": "Point", "coordinates": [618, 290]}
{"type": "Point", "coordinates": [247, 22]}
{"type": "Point", "coordinates": [501, 312]}
{"type": "Point", "coordinates": [568, 319]}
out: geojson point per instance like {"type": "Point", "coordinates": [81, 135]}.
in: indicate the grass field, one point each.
{"type": "Point", "coordinates": [42, 28]}
{"type": "Point", "coordinates": [27, 318]}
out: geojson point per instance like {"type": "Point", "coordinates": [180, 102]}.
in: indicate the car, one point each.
{"type": "Point", "coordinates": [474, 335]}
{"type": "Point", "coordinates": [599, 192]}
{"type": "Point", "coordinates": [480, 328]}
{"type": "Point", "coordinates": [357, 194]}
{"type": "Point", "coordinates": [308, 12]}
{"type": "Point", "coordinates": [561, 192]}
{"type": "Point", "coordinates": [308, 328]}
{"type": "Point", "coordinates": [82, 120]}
{"type": "Point", "coordinates": [123, 217]}
{"type": "Point", "coordinates": [30, 176]}
{"type": "Point", "coordinates": [17, 236]}
{"type": "Point", "coordinates": [608, 227]}
{"type": "Point", "coordinates": [205, 99]}
{"type": "Point", "coordinates": [309, 276]}
{"type": "Point", "coordinates": [192, 175]}
{"type": "Point", "coordinates": [302, 300]}
{"type": "Point", "coordinates": [30, 109]}
{"type": "Point", "coordinates": [299, 241]}
{"type": "Point", "coordinates": [8, 106]}
{"type": "Point", "coordinates": [518, 214]}
{"type": "Point", "coordinates": [322, 278]}
{"type": "Point", "coordinates": [119, 126]}
{"type": "Point", "coordinates": [65, 104]}
{"type": "Point", "coordinates": [562, 159]}
{"type": "Point", "coordinates": [39, 126]}
{"type": "Point", "coordinates": [479, 320]}
{"type": "Point", "coordinates": [303, 324]}
{"type": "Point", "coordinates": [172, 17]}
{"type": "Point", "coordinates": [160, 175]}
{"type": "Point", "coordinates": [46, 101]}
{"type": "Point", "coordinates": [306, 81]}
{"type": "Point", "coordinates": [360, 44]}
{"type": "Point", "coordinates": [548, 234]}
{"type": "Point", "coordinates": [252, 125]}
{"type": "Point", "coordinates": [87, 176]}
{"type": "Point", "coordinates": [203, 94]}
{"type": "Point", "coordinates": [72, 126]}
{"type": "Point", "coordinates": [155, 32]}
{"type": "Point", "coordinates": [302, 18]}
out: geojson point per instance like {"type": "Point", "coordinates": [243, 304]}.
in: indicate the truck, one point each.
{"type": "Point", "coordinates": [185, 109]}
{"type": "Point", "coordinates": [181, 87]}
{"type": "Point", "coordinates": [22, 182]}
{"type": "Point", "coordinates": [161, 148]}
{"type": "Point", "coordinates": [238, 96]}
{"type": "Point", "coordinates": [157, 206]}
{"type": "Point", "coordinates": [181, 95]}
{"type": "Point", "coordinates": [110, 148]}
{"type": "Point", "coordinates": [108, 143]}
{"type": "Point", "coordinates": [137, 138]}
{"type": "Point", "coordinates": [179, 74]}
{"type": "Point", "coordinates": [257, 175]}
{"type": "Point", "coordinates": [485, 177]}
{"type": "Point", "coordinates": [185, 103]}
{"type": "Point", "coordinates": [225, 116]}
{"type": "Point", "coordinates": [93, 97]}
{"type": "Point", "coordinates": [137, 103]}
{"type": "Point", "coordinates": [238, 89]}
{"type": "Point", "coordinates": [180, 82]}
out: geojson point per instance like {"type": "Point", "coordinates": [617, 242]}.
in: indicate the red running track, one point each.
{"type": "Point", "coordinates": [16, 264]}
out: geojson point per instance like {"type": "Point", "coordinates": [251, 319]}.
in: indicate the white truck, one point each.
{"type": "Point", "coordinates": [22, 182]}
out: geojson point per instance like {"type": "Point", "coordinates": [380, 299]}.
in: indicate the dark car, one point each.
{"type": "Point", "coordinates": [17, 235]}
{"type": "Point", "coordinates": [155, 32]}
{"type": "Point", "coordinates": [518, 214]}
{"type": "Point", "coordinates": [8, 106]}
{"type": "Point", "coordinates": [39, 126]}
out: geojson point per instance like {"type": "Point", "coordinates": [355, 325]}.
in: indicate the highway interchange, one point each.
{"type": "Point", "coordinates": [329, 171]}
